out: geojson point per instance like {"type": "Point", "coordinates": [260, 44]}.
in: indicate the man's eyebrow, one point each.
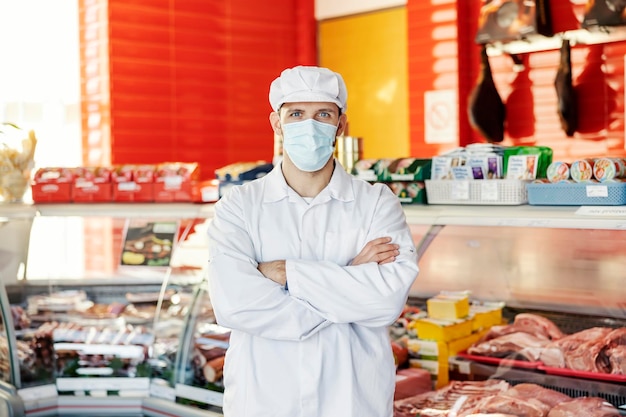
{"type": "Point", "coordinates": [317, 110]}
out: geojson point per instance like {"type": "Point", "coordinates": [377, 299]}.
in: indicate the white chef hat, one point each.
{"type": "Point", "coordinates": [308, 84]}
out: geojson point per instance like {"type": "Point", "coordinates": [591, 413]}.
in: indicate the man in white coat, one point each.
{"type": "Point", "coordinates": [308, 266]}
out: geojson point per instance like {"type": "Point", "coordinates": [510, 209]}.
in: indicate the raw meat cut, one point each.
{"type": "Point", "coordinates": [554, 353]}
{"type": "Point", "coordinates": [584, 406]}
{"type": "Point", "coordinates": [537, 325]}
{"type": "Point", "coordinates": [519, 345]}
{"type": "Point", "coordinates": [547, 396]}
{"type": "Point", "coordinates": [617, 359]}
{"type": "Point", "coordinates": [502, 403]}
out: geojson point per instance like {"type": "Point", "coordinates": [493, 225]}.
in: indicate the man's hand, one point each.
{"type": "Point", "coordinates": [380, 250]}
{"type": "Point", "coordinates": [274, 270]}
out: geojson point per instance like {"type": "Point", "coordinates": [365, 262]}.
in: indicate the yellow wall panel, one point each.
{"type": "Point", "coordinates": [370, 51]}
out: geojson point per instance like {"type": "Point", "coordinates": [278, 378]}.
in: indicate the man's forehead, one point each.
{"type": "Point", "coordinates": [311, 106]}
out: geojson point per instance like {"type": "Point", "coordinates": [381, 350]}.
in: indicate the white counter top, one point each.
{"type": "Point", "coordinates": [576, 217]}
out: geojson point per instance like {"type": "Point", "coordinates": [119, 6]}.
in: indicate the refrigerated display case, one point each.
{"type": "Point", "coordinates": [105, 294]}
{"type": "Point", "coordinates": [567, 263]}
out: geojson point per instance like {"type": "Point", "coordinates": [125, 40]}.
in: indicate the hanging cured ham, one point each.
{"type": "Point", "coordinates": [597, 99]}
{"type": "Point", "coordinates": [486, 109]}
{"type": "Point", "coordinates": [566, 95]}
{"type": "Point", "coordinates": [520, 104]}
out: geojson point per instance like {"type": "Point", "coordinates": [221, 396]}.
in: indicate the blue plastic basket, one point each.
{"type": "Point", "coordinates": [577, 194]}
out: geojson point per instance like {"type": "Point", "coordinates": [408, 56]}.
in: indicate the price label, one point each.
{"type": "Point", "coordinates": [460, 190]}
{"type": "Point", "coordinates": [597, 191]}
{"type": "Point", "coordinates": [488, 190]}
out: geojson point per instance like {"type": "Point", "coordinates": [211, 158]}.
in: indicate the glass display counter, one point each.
{"type": "Point", "coordinates": [100, 305]}
{"type": "Point", "coordinates": [74, 285]}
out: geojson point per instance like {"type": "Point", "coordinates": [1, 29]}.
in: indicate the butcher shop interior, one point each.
{"type": "Point", "coordinates": [498, 124]}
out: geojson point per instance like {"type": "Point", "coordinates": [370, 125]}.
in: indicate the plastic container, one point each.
{"type": "Point", "coordinates": [477, 192]}
{"type": "Point", "coordinates": [577, 194]}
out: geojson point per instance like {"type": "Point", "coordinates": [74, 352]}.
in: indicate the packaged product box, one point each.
{"type": "Point", "coordinates": [92, 185]}
{"type": "Point", "coordinates": [438, 370]}
{"type": "Point", "coordinates": [426, 349]}
{"type": "Point", "coordinates": [409, 192]}
{"type": "Point", "coordinates": [372, 169]}
{"type": "Point", "coordinates": [173, 181]}
{"type": "Point", "coordinates": [207, 191]}
{"type": "Point", "coordinates": [442, 330]}
{"type": "Point", "coordinates": [448, 306]}
{"type": "Point", "coordinates": [133, 183]}
{"type": "Point", "coordinates": [408, 169]}
{"type": "Point", "coordinates": [240, 173]}
{"type": "Point", "coordinates": [243, 171]}
{"type": "Point", "coordinates": [52, 185]}
{"type": "Point", "coordinates": [526, 162]}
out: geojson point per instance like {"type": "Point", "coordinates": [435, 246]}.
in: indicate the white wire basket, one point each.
{"type": "Point", "coordinates": [477, 192]}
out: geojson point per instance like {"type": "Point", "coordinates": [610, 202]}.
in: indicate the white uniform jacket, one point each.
{"type": "Point", "coordinates": [319, 348]}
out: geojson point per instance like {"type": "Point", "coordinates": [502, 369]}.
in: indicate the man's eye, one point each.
{"type": "Point", "coordinates": [324, 114]}
{"type": "Point", "coordinates": [295, 114]}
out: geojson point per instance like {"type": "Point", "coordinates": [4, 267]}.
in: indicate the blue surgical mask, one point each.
{"type": "Point", "coordinates": [309, 143]}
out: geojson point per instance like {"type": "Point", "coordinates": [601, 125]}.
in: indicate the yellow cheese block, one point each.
{"type": "Point", "coordinates": [441, 330]}
{"type": "Point", "coordinates": [448, 307]}
{"type": "Point", "coordinates": [460, 345]}
{"type": "Point", "coordinates": [438, 350]}
{"type": "Point", "coordinates": [486, 315]}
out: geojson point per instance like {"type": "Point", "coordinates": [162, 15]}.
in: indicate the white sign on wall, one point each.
{"type": "Point", "coordinates": [440, 116]}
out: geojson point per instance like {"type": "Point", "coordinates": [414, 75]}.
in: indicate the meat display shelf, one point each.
{"type": "Point", "coordinates": [582, 374]}
{"type": "Point", "coordinates": [614, 393]}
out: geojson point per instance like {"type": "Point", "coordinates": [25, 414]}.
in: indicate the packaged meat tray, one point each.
{"type": "Point", "coordinates": [582, 374]}
{"type": "Point", "coordinates": [510, 363]}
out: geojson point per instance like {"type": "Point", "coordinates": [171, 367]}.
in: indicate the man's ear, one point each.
{"type": "Point", "coordinates": [275, 123]}
{"type": "Point", "coordinates": [343, 122]}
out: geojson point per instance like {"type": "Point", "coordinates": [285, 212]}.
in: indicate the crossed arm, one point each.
{"type": "Point", "coordinates": [379, 250]}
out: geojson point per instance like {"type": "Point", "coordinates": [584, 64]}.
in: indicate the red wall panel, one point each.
{"type": "Point", "coordinates": [187, 80]}
{"type": "Point", "coordinates": [530, 95]}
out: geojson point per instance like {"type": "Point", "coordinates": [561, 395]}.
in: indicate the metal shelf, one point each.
{"type": "Point", "coordinates": [538, 43]}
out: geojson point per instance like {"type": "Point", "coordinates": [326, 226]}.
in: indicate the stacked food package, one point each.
{"type": "Point", "coordinates": [163, 183]}
{"type": "Point", "coordinates": [404, 176]}
{"type": "Point", "coordinates": [459, 176]}
{"type": "Point", "coordinates": [240, 173]}
{"type": "Point", "coordinates": [450, 324]}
